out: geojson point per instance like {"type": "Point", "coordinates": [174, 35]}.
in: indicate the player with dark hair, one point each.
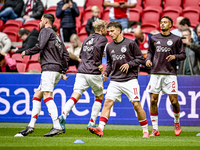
{"type": "Point", "coordinates": [123, 59]}
{"type": "Point", "coordinates": [89, 72]}
{"type": "Point", "coordinates": [54, 63]}
{"type": "Point", "coordinates": [165, 49]}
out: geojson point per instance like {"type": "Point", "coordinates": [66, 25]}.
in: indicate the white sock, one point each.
{"type": "Point", "coordinates": [102, 122]}
{"type": "Point", "coordinates": [35, 113]}
{"type": "Point", "coordinates": [68, 107]}
{"type": "Point", "coordinates": [95, 112]}
{"type": "Point", "coordinates": [176, 117]}
{"type": "Point", "coordinates": [144, 125]}
{"type": "Point", "coordinates": [154, 120]}
{"type": "Point", "coordinates": [53, 112]}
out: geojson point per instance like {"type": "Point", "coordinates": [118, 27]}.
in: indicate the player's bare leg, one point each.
{"type": "Point", "coordinates": [142, 118]}
{"type": "Point", "coordinates": [176, 109]}
{"type": "Point", "coordinates": [105, 114]}
{"type": "Point", "coordinates": [154, 114]}
{"type": "Point", "coordinates": [95, 110]}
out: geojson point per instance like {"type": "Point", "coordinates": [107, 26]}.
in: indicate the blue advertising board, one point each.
{"type": "Point", "coordinates": [16, 92]}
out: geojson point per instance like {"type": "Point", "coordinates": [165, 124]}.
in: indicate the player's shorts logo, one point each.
{"type": "Point", "coordinates": [169, 42]}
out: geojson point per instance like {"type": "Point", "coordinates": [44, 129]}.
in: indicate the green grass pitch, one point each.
{"type": "Point", "coordinates": [115, 137]}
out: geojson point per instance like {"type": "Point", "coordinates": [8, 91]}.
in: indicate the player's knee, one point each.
{"type": "Point", "coordinates": [153, 101]}
{"type": "Point", "coordinates": [137, 106]}
{"type": "Point", "coordinates": [108, 104]}
{"type": "Point", "coordinates": [174, 102]}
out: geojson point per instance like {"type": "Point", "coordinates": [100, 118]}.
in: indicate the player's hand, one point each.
{"type": "Point", "coordinates": [105, 77]}
{"type": "Point", "coordinates": [124, 68]}
{"type": "Point", "coordinates": [23, 54]}
{"type": "Point", "coordinates": [148, 63]}
{"type": "Point", "coordinates": [170, 57]}
{"type": "Point", "coordinates": [64, 77]}
{"type": "Point", "coordinates": [65, 6]}
{"type": "Point", "coordinates": [116, 4]}
{"type": "Point", "coordinates": [79, 60]}
{"type": "Point", "coordinates": [100, 67]}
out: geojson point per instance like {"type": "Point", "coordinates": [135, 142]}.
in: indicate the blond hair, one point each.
{"type": "Point", "coordinates": [94, 8]}
{"type": "Point", "coordinates": [98, 24]}
{"type": "Point", "coordinates": [76, 38]}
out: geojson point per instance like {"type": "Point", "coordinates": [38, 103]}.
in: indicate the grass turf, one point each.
{"type": "Point", "coordinates": [115, 137]}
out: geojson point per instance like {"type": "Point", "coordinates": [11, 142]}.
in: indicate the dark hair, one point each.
{"type": "Point", "coordinates": [55, 28]}
{"type": "Point", "coordinates": [50, 17]}
{"type": "Point", "coordinates": [115, 24]}
{"type": "Point", "coordinates": [23, 31]}
{"type": "Point", "coordinates": [185, 21]}
{"type": "Point", "coordinates": [170, 19]}
{"type": "Point", "coordinates": [187, 29]}
{"type": "Point", "coordinates": [1, 57]}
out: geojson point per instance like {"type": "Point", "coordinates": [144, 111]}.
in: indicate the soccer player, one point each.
{"type": "Point", "coordinates": [54, 63]}
{"type": "Point", "coordinates": [89, 72]}
{"type": "Point", "coordinates": [165, 49]}
{"type": "Point", "coordinates": [123, 59]}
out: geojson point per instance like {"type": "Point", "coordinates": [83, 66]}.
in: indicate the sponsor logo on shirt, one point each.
{"type": "Point", "coordinates": [118, 57]}
{"type": "Point", "coordinates": [57, 42]}
{"type": "Point", "coordinates": [162, 49]}
{"type": "Point", "coordinates": [88, 48]}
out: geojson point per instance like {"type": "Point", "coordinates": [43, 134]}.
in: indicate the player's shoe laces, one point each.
{"type": "Point", "coordinates": [146, 135]}
{"type": "Point", "coordinates": [90, 125]}
{"type": "Point", "coordinates": [155, 133]}
{"type": "Point", "coordinates": [53, 132]}
{"type": "Point", "coordinates": [177, 130]}
{"type": "Point", "coordinates": [25, 132]}
{"type": "Point", "coordinates": [96, 131]}
{"type": "Point", "coordinates": [62, 122]}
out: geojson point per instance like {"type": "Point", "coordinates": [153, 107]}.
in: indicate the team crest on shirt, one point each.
{"type": "Point", "coordinates": [123, 49]}
{"type": "Point", "coordinates": [169, 42]}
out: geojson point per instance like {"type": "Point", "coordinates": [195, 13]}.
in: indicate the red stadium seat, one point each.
{"type": "Point", "coordinates": [176, 3]}
{"type": "Point", "coordinates": [34, 58]}
{"type": "Point", "coordinates": [139, 5]}
{"type": "Point", "coordinates": [152, 3]}
{"type": "Point", "coordinates": [134, 14]}
{"type": "Point", "coordinates": [105, 15]}
{"type": "Point", "coordinates": [188, 3]}
{"type": "Point", "coordinates": [33, 66]}
{"type": "Point", "coordinates": [51, 9]}
{"type": "Point", "coordinates": [72, 69]}
{"type": "Point", "coordinates": [149, 26]}
{"type": "Point", "coordinates": [13, 23]}
{"type": "Point", "coordinates": [82, 29]}
{"type": "Point", "coordinates": [90, 3]}
{"type": "Point", "coordinates": [104, 67]}
{"type": "Point", "coordinates": [1, 24]}
{"type": "Point", "coordinates": [192, 14]}
{"type": "Point", "coordinates": [21, 67]}
{"type": "Point", "coordinates": [87, 14]}
{"type": "Point", "coordinates": [30, 25]}
{"type": "Point", "coordinates": [82, 36]}
{"type": "Point", "coordinates": [18, 58]}
{"type": "Point", "coordinates": [129, 35]}
{"type": "Point", "coordinates": [109, 38]}
{"type": "Point", "coordinates": [172, 12]}
{"type": "Point", "coordinates": [151, 14]}
{"type": "Point", "coordinates": [12, 35]}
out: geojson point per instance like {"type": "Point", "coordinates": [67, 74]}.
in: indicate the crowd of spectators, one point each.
{"type": "Point", "coordinates": [67, 12]}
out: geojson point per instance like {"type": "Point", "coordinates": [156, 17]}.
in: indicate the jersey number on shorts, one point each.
{"type": "Point", "coordinates": [173, 84]}
{"type": "Point", "coordinates": [135, 91]}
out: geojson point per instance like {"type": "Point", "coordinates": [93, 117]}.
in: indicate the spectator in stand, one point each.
{"type": "Point", "coordinates": [33, 9]}
{"type": "Point", "coordinates": [7, 64]}
{"type": "Point", "coordinates": [29, 39]}
{"type": "Point", "coordinates": [11, 9]}
{"type": "Point", "coordinates": [197, 31]}
{"type": "Point", "coordinates": [74, 50]}
{"type": "Point", "coordinates": [119, 10]}
{"type": "Point", "coordinates": [67, 10]}
{"type": "Point", "coordinates": [5, 43]}
{"type": "Point", "coordinates": [185, 23]}
{"type": "Point", "coordinates": [189, 66]}
{"type": "Point", "coordinates": [95, 16]}
{"type": "Point", "coordinates": [143, 41]}
{"type": "Point", "coordinates": [177, 31]}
